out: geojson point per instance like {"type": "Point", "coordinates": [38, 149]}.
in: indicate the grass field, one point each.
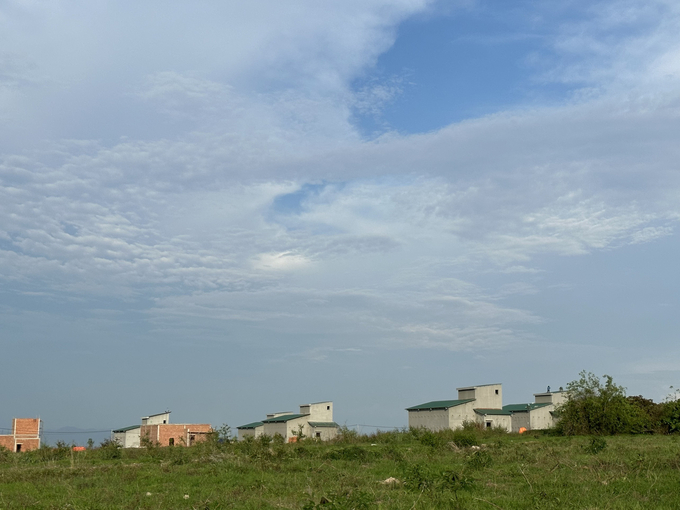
{"type": "Point", "coordinates": [460, 469]}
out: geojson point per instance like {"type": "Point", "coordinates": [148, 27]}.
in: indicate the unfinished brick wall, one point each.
{"type": "Point", "coordinates": [26, 427]}
{"type": "Point", "coordinates": [7, 442]}
{"type": "Point", "coordinates": [25, 435]}
{"type": "Point", "coordinates": [180, 434]}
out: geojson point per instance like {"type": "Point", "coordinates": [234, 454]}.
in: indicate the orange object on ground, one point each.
{"type": "Point", "coordinates": [79, 448]}
{"type": "Point", "coordinates": [522, 430]}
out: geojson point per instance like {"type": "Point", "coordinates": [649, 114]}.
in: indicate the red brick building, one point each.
{"type": "Point", "coordinates": [25, 435]}
{"type": "Point", "coordinates": [175, 434]}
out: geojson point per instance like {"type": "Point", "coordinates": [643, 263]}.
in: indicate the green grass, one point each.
{"type": "Point", "coordinates": [507, 472]}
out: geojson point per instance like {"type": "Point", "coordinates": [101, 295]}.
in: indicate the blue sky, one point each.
{"type": "Point", "coordinates": [229, 210]}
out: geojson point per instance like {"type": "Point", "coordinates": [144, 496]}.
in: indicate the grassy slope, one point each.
{"type": "Point", "coordinates": [510, 472]}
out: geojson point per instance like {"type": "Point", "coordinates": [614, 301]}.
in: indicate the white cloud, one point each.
{"type": "Point", "coordinates": [388, 247]}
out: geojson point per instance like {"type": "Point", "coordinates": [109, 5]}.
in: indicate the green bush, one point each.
{"type": "Point", "coordinates": [595, 407]}
{"type": "Point", "coordinates": [109, 449]}
{"type": "Point", "coordinates": [464, 438]}
{"type": "Point", "coordinates": [479, 459]}
{"type": "Point", "coordinates": [596, 445]}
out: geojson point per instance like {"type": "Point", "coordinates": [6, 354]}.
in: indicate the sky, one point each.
{"type": "Point", "coordinates": [228, 209]}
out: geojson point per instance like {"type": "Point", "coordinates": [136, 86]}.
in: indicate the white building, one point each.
{"type": "Point", "coordinates": [539, 415]}
{"type": "Point", "coordinates": [313, 420]}
{"type": "Point", "coordinates": [475, 404]}
{"type": "Point", "coordinates": [129, 437]}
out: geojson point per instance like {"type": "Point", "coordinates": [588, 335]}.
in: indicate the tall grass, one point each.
{"type": "Point", "coordinates": [402, 469]}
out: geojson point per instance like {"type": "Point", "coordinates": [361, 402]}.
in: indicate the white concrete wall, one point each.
{"type": "Point", "coordinates": [541, 418]}
{"type": "Point", "coordinates": [437, 419]}
{"type": "Point", "coordinates": [118, 437]}
{"type": "Point", "coordinates": [325, 433]}
{"type": "Point", "coordinates": [554, 397]}
{"type": "Point", "coordinates": [460, 414]}
{"type": "Point", "coordinates": [159, 419]}
{"type": "Point", "coordinates": [519, 420]}
{"type": "Point", "coordinates": [496, 420]}
{"type": "Point", "coordinates": [322, 411]}
{"type": "Point", "coordinates": [489, 397]}
{"type": "Point", "coordinates": [294, 426]}
{"type": "Point", "coordinates": [464, 394]}
{"type": "Point", "coordinates": [271, 429]}
{"type": "Point", "coordinates": [132, 438]}
{"type": "Point", "coordinates": [127, 439]}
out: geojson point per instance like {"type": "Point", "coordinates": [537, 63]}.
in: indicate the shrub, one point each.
{"type": "Point", "coordinates": [464, 438]}
{"type": "Point", "coordinates": [670, 413]}
{"type": "Point", "coordinates": [432, 439]}
{"type": "Point", "coordinates": [479, 459]}
{"type": "Point", "coordinates": [109, 449]}
{"type": "Point", "coordinates": [595, 407]}
{"type": "Point", "coordinates": [596, 445]}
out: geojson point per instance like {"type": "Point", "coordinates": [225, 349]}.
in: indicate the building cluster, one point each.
{"type": "Point", "coordinates": [157, 429]}
{"type": "Point", "coordinates": [25, 435]}
{"type": "Point", "coordinates": [483, 405]}
{"type": "Point", "coordinates": [480, 405]}
{"type": "Point", "coordinates": [313, 420]}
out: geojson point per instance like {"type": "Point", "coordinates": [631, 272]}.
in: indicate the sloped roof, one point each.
{"type": "Point", "coordinates": [284, 418]}
{"type": "Point", "coordinates": [329, 424]}
{"type": "Point", "coordinates": [478, 386]}
{"type": "Point", "coordinates": [496, 412]}
{"type": "Point", "coordinates": [125, 429]}
{"type": "Point", "coordinates": [439, 404]}
{"type": "Point", "coordinates": [253, 425]}
{"type": "Point", "coordinates": [514, 408]}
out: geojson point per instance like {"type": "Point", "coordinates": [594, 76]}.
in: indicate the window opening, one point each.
{"type": "Point", "coordinates": [496, 392]}
{"type": "Point", "coordinates": [18, 447]}
{"type": "Point", "coordinates": [318, 434]}
{"type": "Point", "coordinates": [328, 408]}
{"type": "Point", "coordinates": [488, 424]}
{"type": "Point", "coordinates": [171, 441]}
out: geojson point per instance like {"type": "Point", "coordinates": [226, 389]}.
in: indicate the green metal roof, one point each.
{"type": "Point", "coordinates": [329, 424]}
{"type": "Point", "coordinates": [253, 425]}
{"type": "Point", "coordinates": [439, 404]}
{"type": "Point", "coordinates": [284, 418]}
{"type": "Point", "coordinates": [125, 429]}
{"type": "Point", "coordinates": [514, 408]}
{"type": "Point", "coordinates": [496, 412]}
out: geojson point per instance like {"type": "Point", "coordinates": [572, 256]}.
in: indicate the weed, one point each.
{"type": "Point", "coordinates": [596, 445]}
{"type": "Point", "coordinates": [479, 459]}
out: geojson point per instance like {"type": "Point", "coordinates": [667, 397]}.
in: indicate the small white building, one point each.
{"type": "Point", "coordinates": [157, 419]}
{"type": "Point", "coordinates": [254, 430]}
{"type": "Point", "coordinates": [481, 404]}
{"type": "Point", "coordinates": [539, 415]}
{"type": "Point", "coordinates": [129, 437]}
{"type": "Point", "coordinates": [314, 420]}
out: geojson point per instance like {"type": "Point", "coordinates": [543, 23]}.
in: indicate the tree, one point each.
{"type": "Point", "coordinates": [598, 407]}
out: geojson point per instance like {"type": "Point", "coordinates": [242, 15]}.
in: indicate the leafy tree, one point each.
{"type": "Point", "coordinates": [670, 416]}
{"type": "Point", "coordinates": [598, 407]}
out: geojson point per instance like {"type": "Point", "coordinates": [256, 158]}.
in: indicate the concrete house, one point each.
{"type": "Point", "coordinates": [475, 404]}
{"type": "Point", "coordinates": [25, 435]}
{"type": "Point", "coordinates": [313, 420]}
{"type": "Point", "coordinates": [158, 429]}
{"type": "Point", "coordinates": [540, 414]}
{"type": "Point", "coordinates": [182, 434]}
{"type": "Point", "coordinates": [127, 437]}
{"type": "Point", "coordinates": [254, 430]}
